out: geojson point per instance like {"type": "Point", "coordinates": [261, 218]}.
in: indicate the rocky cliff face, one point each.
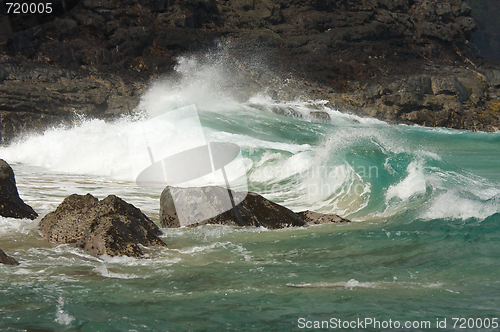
{"type": "Point", "coordinates": [365, 56]}
{"type": "Point", "coordinates": [487, 36]}
{"type": "Point", "coordinates": [348, 39]}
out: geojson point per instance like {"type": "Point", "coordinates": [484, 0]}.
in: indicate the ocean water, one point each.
{"type": "Point", "coordinates": [424, 244]}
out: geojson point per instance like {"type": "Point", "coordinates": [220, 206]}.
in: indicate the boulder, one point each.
{"type": "Point", "coordinates": [494, 77]}
{"type": "Point", "coordinates": [315, 218]}
{"type": "Point", "coordinates": [11, 205]}
{"type": "Point", "coordinates": [253, 210]}
{"type": "Point", "coordinates": [108, 227]}
{"type": "Point", "coordinates": [4, 259]}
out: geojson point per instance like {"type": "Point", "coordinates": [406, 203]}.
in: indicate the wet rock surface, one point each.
{"type": "Point", "coordinates": [202, 203]}
{"type": "Point", "coordinates": [315, 218]}
{"type": "Point", "coordinates": [200, 206]}
{"type": "Point", "coordinates": [400, 61]}
{"type": "Point", "coordinates": [7, 260]}
{"type": "Point", "coordinates": [108, 227]}
{"type": "Point", "coordinates": [11, 205]}
{"type": "Point", "coordinates": [34, 98]}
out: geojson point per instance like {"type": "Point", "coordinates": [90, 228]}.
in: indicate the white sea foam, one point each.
{"type": "Point", "coordinates": [62, 317]}
{"type": "Point", "coordinates": [451, 205]}
{"type": "Point", "coordinates": [103, 271]}
{"type": "Point", "coordinates": [93, 147]}
{"type": "Point", "coordinates": [202, 249]}
{"type": "Point", "coordinates": [11, 226]}
{"type": "Point", "coordinates": [413, 184]}
{"type": "Point", "coordinates": [353, 284]}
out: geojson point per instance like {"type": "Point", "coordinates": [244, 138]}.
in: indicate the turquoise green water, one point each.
{"type": "Point", "coordinates": [423, 245]}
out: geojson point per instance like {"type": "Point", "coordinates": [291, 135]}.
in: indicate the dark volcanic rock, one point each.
{"type": "Point", "coordinates": [202, 204]}
{"type": "Point", "coordinates": [254, 209]}
{"type": "Point", "coordinates": [11, 205]}
{"type": "Point", "coordinates": [33, 99]}
{"type": "Point", "coordinates": [97, 59]}
{"type": "Point", "coordinates": [4, 259]}
{"type": "Point", "coordinates": [449, 97]}
{"type": "Point", "coordinates": [108, 227]}
{"type": "Point", "coordinates": [315, 218]}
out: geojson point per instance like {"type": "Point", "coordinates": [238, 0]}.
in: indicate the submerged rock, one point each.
{"type": "Point", "coordinates": [11, 205]}
{"type": "Point", "coordinates": [4, 259]}
{"type": "Point", "coordinates": [320, 116]}
{"type": "Point", "coordinates": [108, 227]}
{"type": "Point", "coordinates": [287, 111]}
{"type": "Point", "coordinates": [254, 210]}
{"type": "Point", "coordinates": [315, 218]}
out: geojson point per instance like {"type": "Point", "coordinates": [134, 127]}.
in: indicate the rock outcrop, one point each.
{"type": "Point", "coordinates": [443, 97]}
{"type": "Point", "coordinates": [7, 260]}
{"type": "Point", "coordinates": [11, 205]}
{"type": "Point", "coordinates": [254, 210]}
{"type": "Point", "coordinates": [35, 97]}
{"type": "Point", "coordinates": [371, 57]}
{"type": "Point", "coordinates": [108, 227]}
{"type": "Point", "coordinates": [195, 203]}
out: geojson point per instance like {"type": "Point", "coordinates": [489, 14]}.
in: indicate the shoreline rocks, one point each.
{"type": "Point", "coordinates": [7, 260]}
{"type": "Point", "coordinates": [195, 204]}
{"type": "Point", "coordinates": [11, 205]}
{"type": "Point", "coordinates": [34, 99]}
{"type": "Point", "coordinates": [464, 98]}
{"type": "Point", "coordinates": [369, 57]}
{"type": "Point", "coordinates": [108, 227]}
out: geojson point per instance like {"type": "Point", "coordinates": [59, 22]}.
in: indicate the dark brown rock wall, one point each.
{"type": "Point", "coordinates": [487, 36]}
{"type": "Point", "coordinates": [98, 58]}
